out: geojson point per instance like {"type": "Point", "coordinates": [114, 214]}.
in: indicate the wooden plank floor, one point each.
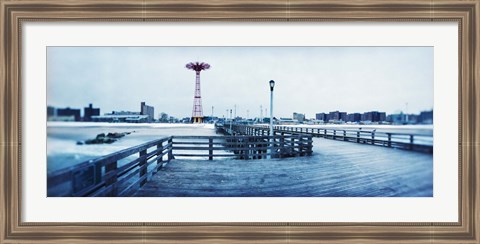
{"type": "Point", "coordinates": [336, 169]}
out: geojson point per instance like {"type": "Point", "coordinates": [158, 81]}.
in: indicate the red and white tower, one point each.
{"type": "Point", "coordinates": [197, 112]}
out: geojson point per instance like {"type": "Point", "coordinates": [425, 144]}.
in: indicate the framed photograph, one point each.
{"type": "Point", "coordinates": [227, 121]}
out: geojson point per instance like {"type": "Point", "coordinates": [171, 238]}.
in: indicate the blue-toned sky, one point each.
{"type": "Point", "coordinates": [308, 79]}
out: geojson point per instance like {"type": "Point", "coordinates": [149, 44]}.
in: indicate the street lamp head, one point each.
{"type": "Point", "coordinates": [272, 84]}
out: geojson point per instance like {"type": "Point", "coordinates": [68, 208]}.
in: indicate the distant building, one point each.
{"type": "Point", "coordinates": [412, 119]}
{"type": "Point", "coordinates": [402, 119]}
{"type": "Point", "coordinates": [147, 110]}
{"type": "Point", "coordinates": [67, 113]}
{"type": "Point", "coordinates": [51, 111]}
{"type": "Point", "coordinates": [321, 116]}
{"type": "Point", "coordinates": [382, 116]}
{"type": "Point", "coordinates": [209, 119]}
{"type": "Point", "coordinates": [89, 111]}
{"type": "Point", "coordinates": [426, 117]}
{"type": "Point", "coordinates": [373, 116]}
{"type": "Point", "coordinates": [121, 117]}
{"type": "Point", "coordinates": [397, 119]}
{"type": "Point", "coordinates": [299, 117]}
{"type": "Point", "coordinates": [355, 117]}
{"type": "Point", "coordinates": [285, 121]}
{"type": "Point", "coordinates": [315, 122]}
{"type": "Point", "coordinates": [337, 116]}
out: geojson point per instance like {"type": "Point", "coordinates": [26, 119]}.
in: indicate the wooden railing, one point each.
{"type": "Point", "coordinates": [123, 172]}
{"type": "Point", "coordinates": [116, 174]}
{"type": "Point", "coordinates": [418, 142]}
{"type": "Point", "coordinates": [242, 147]}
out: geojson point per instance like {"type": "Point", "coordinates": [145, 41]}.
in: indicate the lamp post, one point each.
{"type": "Point", "coordinates": [231, 122]}
{"type": "Point", "coordinates": [272, 85]}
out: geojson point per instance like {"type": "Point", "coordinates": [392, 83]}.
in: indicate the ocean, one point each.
{"type": "Point", "coordinates": [63, 150]}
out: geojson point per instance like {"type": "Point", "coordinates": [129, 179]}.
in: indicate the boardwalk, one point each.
{"type": "Point", "coordinates": [336, 169]}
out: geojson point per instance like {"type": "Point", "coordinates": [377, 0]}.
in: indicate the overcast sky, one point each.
{"type": "Point", "coordinates": [308, 79]}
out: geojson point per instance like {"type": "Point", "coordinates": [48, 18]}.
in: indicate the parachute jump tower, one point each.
{"type": "Point", "coordinates": [197, 112]}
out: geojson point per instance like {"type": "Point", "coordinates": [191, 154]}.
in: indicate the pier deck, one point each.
{"type": "Point", "coordinates": [336, 169]}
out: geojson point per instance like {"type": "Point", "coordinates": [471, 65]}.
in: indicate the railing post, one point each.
{"type": "Point", "coordinates": [143, 166]}
{"type": "Point", "coordinates": [358, 136]}
{"type": "Point", "coordinates": [270, 145]}
{"type": "Point", "coordinates": [334, 134]}
{"type": "Point", "coordinates": [236, 144]}
{"type": "Point", "coordinates": [318, 132]}
{"type": "Point", "coordinates": [324, 133]}
{"type": "Point", "coordinates": [292, 143]}
{"type": "Point", "coordinates": [344, 135]}
{"type": "Point", "coordinates": [373, 137]}
{"type": "Point", "coordinates": [301, 145]}
{"type": "Point", "coordinates": [170, 150]}
{"type": "Point", "coordinates": [282, 144]}
{"type": "Point", "coordinates": [159, 156]}
{"type": "Point", "coordinates": [111, 168]}
{"type": "Point", "coordinates": [389, 139]}
{"type": "Point", "coordinates": [245, 148]}
{"type": "Point", "coordinates": [411, 142]}
{"type": "Point", "coordinates": [255, 145]}
{"type": "Point", "coordinates": [98, 172]}
{"type": "Point", "coordinates": [210, 148]}
{"type": "Point", "coordinates": [309, 146]}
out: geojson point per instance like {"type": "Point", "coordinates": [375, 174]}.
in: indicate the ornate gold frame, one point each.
{"type": "Point", "coordinates": [14, 12]}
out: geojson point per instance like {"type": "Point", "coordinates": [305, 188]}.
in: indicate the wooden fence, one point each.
{"type": "Point", "coordinates": [116, 174]}
{"type": "Point", "coordinates": [123, 172]}
{"type": "Point", "coordinates": [242, 147]}
{"type": "Point", "coordinates": [407, 141]}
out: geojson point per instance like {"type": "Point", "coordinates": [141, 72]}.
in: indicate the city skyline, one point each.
{"type": "Point", "coordinates": [146, 115]}
{"type": "Point", "coordinates": [309, 80]}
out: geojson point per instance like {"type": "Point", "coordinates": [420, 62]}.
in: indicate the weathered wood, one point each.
{"type": "Point", "coordinates": [159, 155]}
{"type": "Point", "coordinates": [122, 179]}
{"type": "Point", "coordinates": [387, 139]}
{"type": "Point", "coordinates": [246, 147]}
{"type": "Point", "coordinates": [177, 142]}
{"type": "Point", "coordinates": [246, 150]}
{"type": "Point", "coordinates": [332, 173]}
{"type": "Point", "coordinates": [411, 141]}
{"type": "Point", "coordinates": [111, 177]}
{"type": "Point", "coordinates": [203, 155]}
{"type": "Point", "coordinates": [87, 179]}
{"type": "Point", "coordinates": [170, 153]}
{"type": "Point", "coordinates": [142, 165]}
{"type": "Point", "coordinates": [210, 151]}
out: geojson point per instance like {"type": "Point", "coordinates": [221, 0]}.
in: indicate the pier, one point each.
{"type": "Point", "coordinates": [407, 141]}
{"type": "Point", "coordinates": [304, 162]}
{"type": "Point", "coordinates": [123, 172]}
{"type": "Point", "coordinates": [336, 169]}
